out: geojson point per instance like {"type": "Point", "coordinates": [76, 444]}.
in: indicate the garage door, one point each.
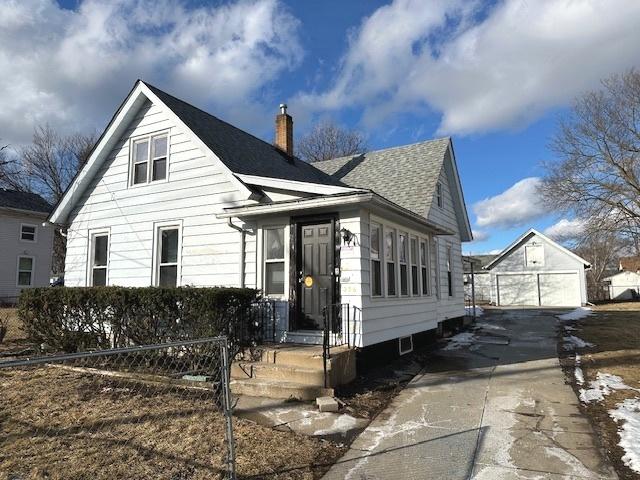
{"type": "Point", "coordinates": [559, 289]}
{"type": "Point", "coordinates": [521, 289]}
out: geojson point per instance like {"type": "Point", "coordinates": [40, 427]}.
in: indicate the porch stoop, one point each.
{"type": "Point", "coordinates": [292, 371]}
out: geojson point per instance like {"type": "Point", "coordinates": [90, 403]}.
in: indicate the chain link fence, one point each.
{"type": "Point", "coordinates": [152, 411]}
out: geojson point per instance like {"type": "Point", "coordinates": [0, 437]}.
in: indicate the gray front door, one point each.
{"type": "Point", "coordinates": [315, 275]}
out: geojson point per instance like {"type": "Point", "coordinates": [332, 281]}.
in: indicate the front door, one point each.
{"type": "Point", "coordinates": [315, 273]}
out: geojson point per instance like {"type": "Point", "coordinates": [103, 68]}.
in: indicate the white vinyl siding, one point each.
{"type": "Point", "coordinates": [538, 272]}
{"type": "Point", "coordinates": [199, 187]}
{"type": "Point", "coordinates": [12, 246]}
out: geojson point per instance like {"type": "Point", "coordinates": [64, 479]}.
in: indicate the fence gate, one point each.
{"type": "Point", "coordinates": [152, 411]}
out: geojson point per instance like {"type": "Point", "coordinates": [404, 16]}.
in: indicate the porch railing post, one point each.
{"type": "Point", "coordinates": [325, 345]}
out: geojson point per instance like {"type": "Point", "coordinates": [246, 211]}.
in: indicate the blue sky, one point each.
{"type": "Point", "coordinates": [495, 75]}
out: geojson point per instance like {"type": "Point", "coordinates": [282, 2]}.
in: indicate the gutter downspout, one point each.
{"type": "Point", "coordinates": [243, 234]}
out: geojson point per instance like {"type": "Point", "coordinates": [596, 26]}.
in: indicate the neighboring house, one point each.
{"type": "Point", "coordinates": [26, 247]}
{"type": "Point", "coordinates": [625, 284]}
{"type": "Point", "coordinates": [171, 195]}
{"type": "Point", "coordinates": [536, 271]}
{"type": "Point", "coordinates": [481, 278]}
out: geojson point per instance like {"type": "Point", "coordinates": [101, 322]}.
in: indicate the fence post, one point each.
{"type": "Point", "coordinates": [228, 414]}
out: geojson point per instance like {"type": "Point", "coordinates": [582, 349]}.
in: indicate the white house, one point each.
{"type": "Point", "coordinates": [536, 271]}
{"type": "Point", "coordinates": [625, 285]}
{"type": "Point", "coordinates": [26, 247]}
{"type": "Point", "coordinates": [171, 195]}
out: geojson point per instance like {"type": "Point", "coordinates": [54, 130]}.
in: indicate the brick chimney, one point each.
{"type": "Point", "coordinates": [284, 131]}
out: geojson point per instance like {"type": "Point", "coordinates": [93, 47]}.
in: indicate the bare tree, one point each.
{"type": "Point", "coordinates": [46, 167]}
{"type": "Point", "coordinates": [328, 140]}
{"type": "Point", "coordinates": [597, 175]}
{"type": "Point", "coordinates": [603, 251]}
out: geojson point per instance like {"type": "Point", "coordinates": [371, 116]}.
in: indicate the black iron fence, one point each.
{"type": "Point", "coordinates": [148, 411]}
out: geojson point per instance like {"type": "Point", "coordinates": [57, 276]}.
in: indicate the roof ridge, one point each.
{"type": "Point", "coordinates": [397, 147]}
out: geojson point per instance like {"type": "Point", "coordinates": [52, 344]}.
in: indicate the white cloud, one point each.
{"type": "Point", "coordinates": [515, 207]}
{"type": "Point", "coordinates": [503, 71]}
{"type": "Point", "coordinates": [71, 68]}
{"type": "Point", "coordinates": [566, 229]}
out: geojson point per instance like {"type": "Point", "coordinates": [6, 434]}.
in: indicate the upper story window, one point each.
{"type": "Point", "coordinates": [149, 159]}
{"type": "Point", "coordinates": [27, 233]}
{"type": "Point", "coordinates": [274, 261]}
{"type": "Point", "coordinates": [376, 268]}
{"type": "Point", "coordinates": [534, 255]}
{"type": "Point", "coordinates": [439, 199]}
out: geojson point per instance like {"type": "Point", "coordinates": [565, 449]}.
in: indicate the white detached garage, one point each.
{"type": "Point", "coordinates": [536, 271]}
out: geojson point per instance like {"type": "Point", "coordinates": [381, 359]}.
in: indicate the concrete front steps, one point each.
{"type": "Point", "coordinates": [292, 371]}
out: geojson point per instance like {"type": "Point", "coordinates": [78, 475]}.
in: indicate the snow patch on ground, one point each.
{"type": "Point", "coordinates": [342, 424]}
{"type": "Point", "coordinates": [577, 314]}
{"type": "Point", "coordinates": [579, 374]}
{"type": "Point", "coordinates": [489, 326]}
{"type": "Point", "coordinates": [572, 342]}
{"type": "Point", "coordinates": [602, 386]}
{"type": "Point", "coordinates": [628, 412]}
{"type": "Point", "coordinates": [479, 310]}
{"type": "Point", "coordinates": [460, 340]}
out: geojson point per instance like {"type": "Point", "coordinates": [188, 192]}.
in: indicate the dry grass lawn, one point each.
{"type": "Point", "coordinates": [15, 337]}
{"type": "Point", "coordinates": [62, 424]}
{"type": "Point", "coordinates": [615, 332]}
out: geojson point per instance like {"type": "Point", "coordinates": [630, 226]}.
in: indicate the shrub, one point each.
{"type": "Point", "coordinates": [73, 319]}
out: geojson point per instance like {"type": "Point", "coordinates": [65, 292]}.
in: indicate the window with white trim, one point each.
{"type": "Point", "coordinates": [404, 269]}
{"type": "Point", "coordinates": [149, 159]}
{"type": "Point", "coordinates": [168, 256]}
{"type": "Point", "coordinates": [435, 248]}
{"type": "Point", "coordinates": [273, 242]}
{"type": "Point", "coordinates": [25, 271]}
{"type": "Point", "coordinates": [439, 199]}
{"type": "Point", "coordinates": [28, 232]}
{"type": "Point", "coordinates": [424, 266]}
{"type": "Point", "coordinates": [376, 267]}
{"type": "Point", "coordinates": [99, 259]}
{"type": "Point", "coordinates": [390, 260]}
{"type": "Point", "coordinates": [415, 278]}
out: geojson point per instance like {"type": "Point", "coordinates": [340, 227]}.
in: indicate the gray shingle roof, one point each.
{"type": "Point", "coordinates": [23, 201]}
{"type": "Point", "coordinates": [240, 151]}
{"type": "Point", "coordinates": [405, 175]}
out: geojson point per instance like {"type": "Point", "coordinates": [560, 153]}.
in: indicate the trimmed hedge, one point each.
{"type": "Point", "coordinates": [73, 319]}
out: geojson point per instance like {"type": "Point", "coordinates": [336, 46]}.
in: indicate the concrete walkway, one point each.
{"type": "Point", "coordinates": [494, 406]}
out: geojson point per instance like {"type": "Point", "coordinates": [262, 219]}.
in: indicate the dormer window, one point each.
{"type": "Point", "coordinates": [439, 200]}
{"type": "Point", "coordinates": [149, 159]}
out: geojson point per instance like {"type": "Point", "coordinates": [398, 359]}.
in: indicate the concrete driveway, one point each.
{"type": "Point", "coordinates": [492, 405]}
